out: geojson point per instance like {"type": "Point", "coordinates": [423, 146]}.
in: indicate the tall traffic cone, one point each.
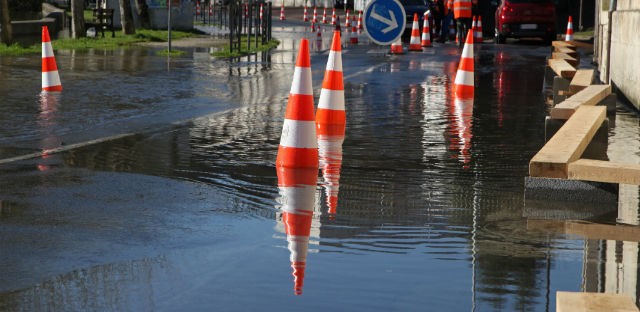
{"type": "Point", "coordinates": [396, 47]}
{"type": "Point", "coordinates": [305, 15]}
{"type": "Point", "coordinates": [282, 17]}
{"type": "Point", "coordinates": [354, 31]}
{"type": "Point", "coordinates": [347, 21]}
{"type": "Point", "coordinates": [473, 27]}
{"type": "Point", "coordinates": [298, 146]}
{"type": "Point", "coordinates": [315, 14]}
{"type": "Point", "coordinates": [569, 35]}
{"type": "Point", "coordinates": [452, 30]}
{"type": "Point", "coordinates": [331, 117]}
{"type": "Point", "coordinates": [464, 84]}
{"type": "Point", "coordinates": [333, 17]}
{"type": "Point", "coordinates": [414, 42]}
{"type": "Point", "coordinates": [324, 15]}
{"type": "Point", "coordinates": [50, 76]}
{"type": "Point", "coordinates": [360, 25]}
{"type": "Point", "coordinates": [426, 32]}
{"type": "Point", "coordinates": [479, 37]}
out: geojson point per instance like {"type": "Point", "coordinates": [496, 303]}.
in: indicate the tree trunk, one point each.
{"type": "Point", "coordinates": [5, 21]}
{"type": "Point", "coordinates": [143, 13]}
{"type": "Point", "coordinates": [77, 16]}
{"type": "Point", "coordinates": [126, 17]}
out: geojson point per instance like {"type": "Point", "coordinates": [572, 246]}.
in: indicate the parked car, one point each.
{"type": "Point", "coordinates": [525, 18]}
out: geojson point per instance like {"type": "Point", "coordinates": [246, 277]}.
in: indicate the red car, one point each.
{"type": "Point", "coordinates": [526, 18]}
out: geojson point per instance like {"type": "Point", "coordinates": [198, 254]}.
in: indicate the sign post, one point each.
{"type": "Point", "coordinates": [384, 21]}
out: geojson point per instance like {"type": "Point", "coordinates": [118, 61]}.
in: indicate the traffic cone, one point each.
{"type": "Point", "coordinates": [315, 14]}
{"type": "Point", "coordinates": [298, 146]}
{"type": "Point", "coordinates": [426, 32]}
{"type": "Point", "coordinates": [396, 47]}
{"type": "Point", "coordinates": [282, 17]}
{"type": "Point", "coordinates": [464, 85]}
{"type": "Point", "coordinates": [333, 17]}
{"type": "Point", "coordinates": [211, 8]}
{"type": "Point", "coordinates": [330, 156]}
{"type": "Point", "coordinates": [319, 36]}
{"type": "Point", "coordinates": [569, 35]}
{"type": "Point", "coordinates": [479, 37]}
{"type": "Point", "coordinates": [473, 27]}
{"type": "Point", "coordinates": [313, 27]}
{"type": "Point", "coordinates": [305, 15]}
{"type": "Point", "coordinates": [50, 76]}
{"type": "Point", "coordinates": [354, 31]}
{"type": "Point", "coordinates": [347, 21]}
{"type": "Point", "coordinates": [414, 42]}
{"type": "Point", "coordinates": [452, 30]}
{"type": "Point", "coordinates": [261, 12]}
{"type": "Point", "coordinates": [360, 25]}
{"type": "Point", "coordinates": [324, 16]}
{"type": "Point", "coordinates": [331, 117]}
{"type": "Point", "coordinates": [198, 12]}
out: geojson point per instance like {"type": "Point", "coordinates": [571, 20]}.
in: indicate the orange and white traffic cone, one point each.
{"type": "Point", "coordinates": [426, 32]}
{"type": "Point", "coordinates": [261, 15]}
{"type": "Point", "coordinates": [324, 16]}
{"type": "Point", "coordinates": [282, 17]}
{"type": "Point", "coordinates": [479, 37]}
{"type": "Point", "coordinates": [331, 116]}
{"type": "Point", "coordinates": [305, 15]}
{"type": "Point", "coordinates": [211, 8]}
{"type": "Point", "coordinates": [50, 76]}
{"type": "Point", "coordinates": [315, 14]}
{"type": "Point", "coordinates": [452, 30]}
{"type": "Point", "coordinates": [569, 35]}
{"type": "Point", "coordinates": [333, 17]}
{"type": "Point", "coordinates": [298, 145]}
{"type": "Point", "coordinates": [464, 83]}
{"type": "Point", "coordinates": [396, 47]}
{"type": "Point", "coordinates": [347, 21]}
{"type": "Point", "coordinates": [319, 36]}
{"type": "Point", "coordinates": [198, 12]}
{"type": "Point", "coordinates": [360, 25]}
{"type": "Point", "coordinates": [414, 42]}
{"type": "Point", "coordinates": [473, 27]}
{"type": "Point", "coordinates": [354, 31]}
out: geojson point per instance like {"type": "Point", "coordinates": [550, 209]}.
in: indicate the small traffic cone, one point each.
{"type": "Point", "coordinates": [313, 27]}
{"type": "Point", "coordinates": [479, 37]}
{"type": "Point", "coordinates": [354, 31]}
{"type": "Point", "coordinates": [569, 35]}
{"type": "Point", "coordinates": [347, 21]}
{"type": "Point", "coordinates": [452, 30]}
{"type": "Point", "coordinates": [426, 32]}
{"type": "Point", "coordinates": [414, 42]}
{"type": "Point", "coordinates": [331, 117]}
{"type": "Point", "coordinates": [396, 47]}
{"type": "Point", "coordinates": [198, 12]}
{"type": "Point", "coordinates": [473, 27]}
{"type": "Point", "coordinates": [211, 8]}
{"type": "Point", "coordinates": [261, 12]}
{"type": "Point", "coordinates": [50, 76]}
{"type": "Point", "coordinates": [305, 15]}
{"type": "Point", "coordinates": [315, 14]}
{"type": "Point", "coordinates": [246, 11]}
{"type": "Point", "coordinates": [282, 17]}
{"type": "Point", "coordinates": [333, 17]}
{"type": "Point", "coordinates": [324, 16]}
{"type": "Point", "coordinates": [298, 146]}
{"type": "Point", "coordinates": [360, 25]}
{"type": "Point", "coordinates": [464, 84]}
{"type": "Point", "coordinates": [319, 35]}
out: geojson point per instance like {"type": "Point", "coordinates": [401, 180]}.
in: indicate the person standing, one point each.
{"type": "Point", "coordinates": [462, 12]}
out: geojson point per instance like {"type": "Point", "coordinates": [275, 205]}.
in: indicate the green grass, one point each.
{"type": "Point", "coordinates": [17, 50]}
{"type": "Point", "coordinates": [142, 35]}
{"type": "Point", "coordinates": [585, 33]}
{"type": "Point", "coordinates": [174, 52]}
{"type": "Point", "coordinates": [226, 53]}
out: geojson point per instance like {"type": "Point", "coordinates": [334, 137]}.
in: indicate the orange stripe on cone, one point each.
{"type": "Point", "coordinates": [414, 42]}
{"type": "Point", "coordinates": [569, 34]}
{"type": "Point", "coordinates": [50, 76]}
{"type": "Point", "coordinates": [464, 82]}
{"type": "Point", "coordinates": [331, 116]}
{"type": "Point", "coordinates": [426, 32]}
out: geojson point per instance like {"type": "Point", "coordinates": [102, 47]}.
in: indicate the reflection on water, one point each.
{"type": "Point", "coordinates": [330, 154]}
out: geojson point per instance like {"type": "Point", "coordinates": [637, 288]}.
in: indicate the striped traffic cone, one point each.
{"type": "Point", "coordinates": [464, 85]}
{"type": "Point", "coordinates": [473, 27]}
{"type": "Point", "coordinates": [396, 47]}
{"type": "Point", "coordinates": [426, 32]}
{"type": "Point", "coordinates": [331, 117]}
{"type": "Point", "coordinates": [261, 15]}
{"type": "Point", "coordinates": [479, 37]}
{"type": "Point", "coordinates": [452, 30]}
{"type": "Point", "coordinates": [315, 14]}
{"type": "Point", "coordinates": [305, 15]}
{"type": "Point", "coordinates": [324, 16]}
{"type": "Point", "coordinates": [360, 25]}
{"type": "Point", "coordinates": [333, 17]}
{"type": "Point", "coordinates": [354, 31]}
{"type": "Point", "coordinates": [569, 35]}
{"type": "Point", "coordinates": [298, 145]}
{"type": "Point", "coordinates": [198, 12]}
{"type": "Point", "coordinates": [50, 76]}
{"type": "Point", "coordinates": [319, 36]}
{"type": "Point", "coordinates": [414, 42]}
{"type": "Point", "coordinates": [330, 156]}
{"type": "Point", "coordinates": [347, 21]}
{"type": "Point", "coordinates": [211, 8]}
{"type": "Point", "coordinates": [282, 17]}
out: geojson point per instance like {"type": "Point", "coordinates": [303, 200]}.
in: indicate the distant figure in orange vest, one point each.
{"type": "Point", "coordinates": [462, 12]}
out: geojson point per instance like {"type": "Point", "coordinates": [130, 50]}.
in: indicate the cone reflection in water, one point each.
{"type": "Point", "coordinates": [463, 85]}
{"type": "Point", "coordinates": [330, 153]}
{"type": "Point", "coordinates": [461, 129]}
{"type": "Point", "coordinates": [50, 76]}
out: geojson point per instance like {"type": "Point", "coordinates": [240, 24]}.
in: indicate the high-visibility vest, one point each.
{"type": "Point", "coordinates": [449, 5]}
{"type": "Point", "coordinates": [461, 9]}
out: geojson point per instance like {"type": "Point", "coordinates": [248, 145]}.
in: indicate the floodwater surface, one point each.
{"type": "Point", "coordinates": [419, 206]}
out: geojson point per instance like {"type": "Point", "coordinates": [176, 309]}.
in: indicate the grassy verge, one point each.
{"type": "Point", "coordinates": [244, 50]}
{"type": "Point", "coordinates": [173, 52]}
{"type": "Point", "coordinates": [120, 40]}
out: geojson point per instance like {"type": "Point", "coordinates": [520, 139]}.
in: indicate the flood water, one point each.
{"type": "Point", "coordinates": [182, 210]}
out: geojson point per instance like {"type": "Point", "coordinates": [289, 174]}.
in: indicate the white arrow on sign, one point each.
{"type": "Point", "coordinates": [393, 24]}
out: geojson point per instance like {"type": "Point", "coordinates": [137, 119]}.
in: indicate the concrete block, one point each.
{"type": "Point", "coordinates": [562, 199]}
{"type": "Point", "coordinates": [625, 48]}
{"type": "Point", "coordinates": [597, 148]}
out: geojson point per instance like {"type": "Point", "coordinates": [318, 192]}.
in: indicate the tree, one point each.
{"type": "Point", "coordinates": [5, 22]}
{"type": "Point", "coordinates": [126, 17]}
{"type": "Point", "coordinates": [77, 13]}
{"type": "Point", "coordinates": [143, 13]}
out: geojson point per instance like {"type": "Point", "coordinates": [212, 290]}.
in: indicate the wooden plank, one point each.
{"type": "Point", "coordinates": [588, 230]}
{"type": "Point", "coordinates": [562, 44]}
{"type": "Point", "coordinates": [582, 79]}
{"type": "Point", "coordinates": [563, 56]}
{"type": "Point", "coordinates": [589, 96]}
{"type": "Point", "coordinates": [568, 144]}
{"type": "Point", "coordinates": [593, 302]}
{"type": "Point", "coordinates": [604, 171]}
{"type": "Point", "coordinates": [568, 51]}
{"type": "Point", "coordinates": [562, 68]}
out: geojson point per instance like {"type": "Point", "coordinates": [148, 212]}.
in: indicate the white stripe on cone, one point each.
{"type": "Point", "coordinates": [302, 81]}
{"type": "Point", "coordinates": [331, 99]}
{"type": "Point", "coordinates": [304, 135]}
{"type": "Point", "coordinates": [464, 77]}
{"type": "Point", "coordinates": [294, 198]}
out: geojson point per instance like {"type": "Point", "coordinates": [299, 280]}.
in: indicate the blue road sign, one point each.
{"type": "Point", "coordinates": [384, 21]}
